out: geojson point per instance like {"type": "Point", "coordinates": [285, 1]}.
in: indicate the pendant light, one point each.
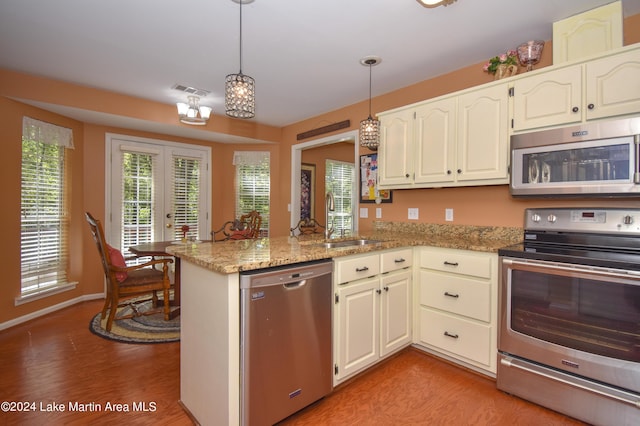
{"type": "Point", "coordinates": [435, 3]}
{"type": "Point", "coordinates": [193, 113]}
{"type": "Point", "coordinates": [370, 128]}
{"type": "Point", "coordinates": [239, 98]}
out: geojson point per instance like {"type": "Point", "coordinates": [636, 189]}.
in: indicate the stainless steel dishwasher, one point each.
{"type": "Point", "coordinates": [285, 352]}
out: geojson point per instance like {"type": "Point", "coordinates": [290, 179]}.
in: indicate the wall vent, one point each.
{"type": "Point", "coordinates": [191, 90]}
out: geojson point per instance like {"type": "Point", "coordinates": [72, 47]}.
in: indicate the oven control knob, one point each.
{"type": "Point", "coordinates": [627, 220]}
{"type": "Point", "coordinates": [552, 218]}
{"type": "Point", "coordinates": [535, 218]}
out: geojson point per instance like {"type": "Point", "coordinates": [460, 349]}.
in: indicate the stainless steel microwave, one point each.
{"type": "Point", "coordinates": [594, 159]}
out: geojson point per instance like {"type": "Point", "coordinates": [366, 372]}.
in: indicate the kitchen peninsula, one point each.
{"type": "Point", "coordinates": [210, 313]}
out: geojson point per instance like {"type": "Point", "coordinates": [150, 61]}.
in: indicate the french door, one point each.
{"type": "Point", "coordinates": [155, 191]}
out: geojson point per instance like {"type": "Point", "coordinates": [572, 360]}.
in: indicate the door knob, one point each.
{"type": "Point", "coordinates": [168, 225]}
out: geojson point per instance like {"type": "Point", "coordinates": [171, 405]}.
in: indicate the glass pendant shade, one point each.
{"type": "Point", "coordinates": [240, 96]}
{"type": "Point", "coordinates": [193, 113]}
{"type": "Point", "coordinates": [370, 133]}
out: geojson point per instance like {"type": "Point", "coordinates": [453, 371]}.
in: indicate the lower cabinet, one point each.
{"type": "Point", "coordinates": [372, 311]}
{"type": "Point", "coordinates": [457, 306]}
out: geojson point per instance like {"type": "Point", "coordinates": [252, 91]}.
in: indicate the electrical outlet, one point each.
{"type": "Point", "coordinates": [448, 215]}
{"type": "Point", "coordinates": [364, 212]}
{"type": "Point", "coordinates": [413, 213]}
{"type": "Point", "coordinates": [378, 213]}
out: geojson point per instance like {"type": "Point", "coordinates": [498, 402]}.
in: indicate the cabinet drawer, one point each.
{"type": "Point", "coordinates": [456, 294]}
{"type": "Point", "coordinates": [458, 262]}
{"type": "Point", "coordinates": [396, 259]}
{"type": "Point", "coordinates": [354, 268]}
{"type": "Point", "coordinates": [456, 335]}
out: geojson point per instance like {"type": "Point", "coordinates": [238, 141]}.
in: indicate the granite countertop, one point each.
{"type": "Point", "coordinates": [243, 255]}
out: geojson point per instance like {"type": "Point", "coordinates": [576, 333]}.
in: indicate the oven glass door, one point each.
{"type": "Point", "coordinates": [594, 311]}
{"type": "Point", "coordinates": [597, 163]}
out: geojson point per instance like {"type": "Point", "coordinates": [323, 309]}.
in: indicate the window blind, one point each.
{"type": "Point", "coordinates": [138, 197]}
{"type": "Point", "coordinates": [339, 178]}
{"type": "Point", "coordinates": [186, 195]}
{"type": "Point", "coordinates": [44, 217]}
{"type": "Point", "coordinates": [253, 185]}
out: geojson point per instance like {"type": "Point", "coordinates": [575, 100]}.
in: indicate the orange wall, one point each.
{"type": "Point", "coordinates": [472, 205]}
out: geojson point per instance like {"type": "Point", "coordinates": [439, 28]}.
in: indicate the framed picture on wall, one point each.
{"type": "Point", "coordinates": [307, 191]}
{"type": "Point", "coordinates": [369, 192]}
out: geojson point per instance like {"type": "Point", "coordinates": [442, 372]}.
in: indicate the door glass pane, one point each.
{"type": "Point", "coordinates": [137, 198]}
{"type": "Point", "coordinates": [186, 197]}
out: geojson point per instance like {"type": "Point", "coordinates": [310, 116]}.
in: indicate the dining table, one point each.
{"type": "Point", "coordinates": [159, 249]}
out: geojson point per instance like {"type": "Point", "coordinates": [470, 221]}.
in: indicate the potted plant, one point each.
{"type": "Point", "coordinates": [503, 65]}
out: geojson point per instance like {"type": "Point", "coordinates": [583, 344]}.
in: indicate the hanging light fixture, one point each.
{"type": "Point", "coordinates": [193, 113]}
{"type": "Point", "coordinates": [239, 98]}
{"type": "Point", "coordinates": [370, 128]}
{"type": "Point", "coordinates": [435, 3]}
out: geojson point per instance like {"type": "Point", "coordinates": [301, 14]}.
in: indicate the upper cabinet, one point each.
{"type": "Point", "coordinates": [450, 141]}
{"type": "Point", "coordinates": [593, 32]}
{"type": "Point", "coordinates": [395, 158]}
{"type": "Point", "coordinates": [462, 139]}
{"type": "Point", "coordinates": [601, 88]}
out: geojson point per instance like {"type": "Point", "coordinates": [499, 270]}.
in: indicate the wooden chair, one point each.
{"type": "Point", "coordinates": [307, 226]}
{"type": "Point", "coordinates": [126, 281]}
{"type": "Point", "coordinates": [247, 227]}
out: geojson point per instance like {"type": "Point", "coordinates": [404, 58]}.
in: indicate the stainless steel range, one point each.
{"type": "Point", "coordinates": [569, 334]}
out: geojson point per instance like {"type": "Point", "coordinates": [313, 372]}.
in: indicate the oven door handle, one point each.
{"type": "Point", "coordinates": [575, 382]}
{"type": "Point", "coordinates": [603, 272]}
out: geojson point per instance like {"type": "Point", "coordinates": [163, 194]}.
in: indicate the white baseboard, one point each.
{"type": "Point", "coordinates": [48, 310]}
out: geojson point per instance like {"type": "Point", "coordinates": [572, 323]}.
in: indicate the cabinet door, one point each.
{"type": "Point", "coordinates": [357, 326]}
{"type": "Point", "coordinates": [395, 159]}
{"type": "Point", "coordinates": [483, 135]}
{"type": "Point", "coordinates": [395, 315]}
{"type": "Point", "coordinates": [435, 135]}
{"type": "Point", "coordinates": [589, 33]}
{"type": "Point", "coordinates": [548, 99]}
{"type": "Point", "coordinates": [613, 85]}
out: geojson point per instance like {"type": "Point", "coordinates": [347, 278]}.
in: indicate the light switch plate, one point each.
{"type": "Point", "coordinates": [448, 215]}
{"type": "Point", "coordinates": [364, 212]}
{"type": "Point", "coordinates": [378, 213]}
{"type": "Point", "coordinates": [413, 213]}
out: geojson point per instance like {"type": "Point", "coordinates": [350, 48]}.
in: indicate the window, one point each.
{"type": "Point", "coordinates": [339, 179]}
{"type": "Point", "coordinates": [44, 216]}
{"type": "Point", "coordinates": [253, 185]}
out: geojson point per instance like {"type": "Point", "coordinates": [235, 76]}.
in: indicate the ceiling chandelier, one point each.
{"type": "Point", "coordinates": [370, 128]}
{"type": "Point", "coordinates": [239, 98]}
{"type": "Point", "coordinates": [193, 113]}
{"type": "Point", "coordinates": [435, 3]}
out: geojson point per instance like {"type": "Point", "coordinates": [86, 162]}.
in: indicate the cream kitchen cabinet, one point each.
{"type": "Point", "coordinates": [601, 88]}
{"type": "Point", "coordinates": [372, 312]}
{"type": "Point", "coordinates": [457, 140]}
{"type": "Point", "coordinates": [457, 306]}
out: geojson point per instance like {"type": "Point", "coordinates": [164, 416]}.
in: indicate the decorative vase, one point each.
{"type": "Point", "coordinates": [505, 70]}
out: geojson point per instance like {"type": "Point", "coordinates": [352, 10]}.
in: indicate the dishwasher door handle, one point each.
{"type": "Point", "coordinates": [297, 284]}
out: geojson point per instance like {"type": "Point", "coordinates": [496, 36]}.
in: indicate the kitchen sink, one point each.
{"type": "Point", "coordinates": [350, 243]}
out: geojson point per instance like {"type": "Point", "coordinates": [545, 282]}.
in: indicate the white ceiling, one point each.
{"type": "Point", "coordinates": [303, 54]}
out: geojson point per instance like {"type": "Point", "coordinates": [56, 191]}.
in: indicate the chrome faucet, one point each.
{"type": "Point", "coordinates": [330, 206]}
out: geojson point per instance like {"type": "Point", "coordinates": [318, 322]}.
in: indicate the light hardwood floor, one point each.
{"type": "Point", "coordinates": [55, 359]}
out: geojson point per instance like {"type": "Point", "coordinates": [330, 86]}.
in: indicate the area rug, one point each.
{"type": "Point", "coordinates": [142, 329]}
